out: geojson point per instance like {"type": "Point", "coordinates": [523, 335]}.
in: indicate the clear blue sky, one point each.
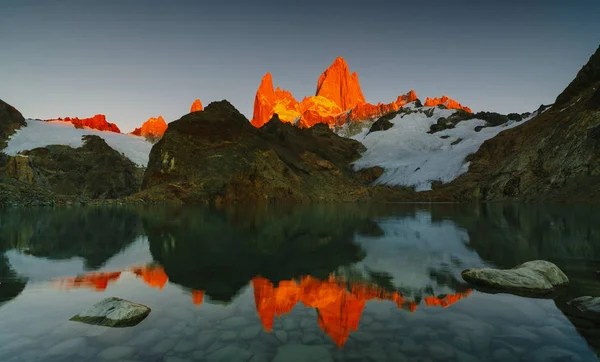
{"type": "Point", "coordinates": [132, 60]}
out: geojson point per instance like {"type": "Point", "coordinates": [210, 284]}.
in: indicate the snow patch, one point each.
{"type": "Point", "coordinates": [412, 157]}
{"type": "Point", "coordinates": [42, 134]}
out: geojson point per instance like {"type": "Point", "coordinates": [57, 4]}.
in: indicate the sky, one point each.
{"type": "Point", "coordinates": [132, 60]}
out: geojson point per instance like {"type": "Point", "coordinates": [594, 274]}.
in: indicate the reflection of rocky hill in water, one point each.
{"type": "Point", "coordinates": [94, 234]}
{"type": "Point", "coordinates": [221, 251]}
{"type": "Point", "coordinates": [10, 283]}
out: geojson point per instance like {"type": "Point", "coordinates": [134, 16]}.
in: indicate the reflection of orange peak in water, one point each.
{"type": "Point", "coordinates": [154, 276]}
{"type": "Point", "coordinates": [197, 296]}
{"type": "Point", "coordinates": [96, 281]}
{"type": "Point", "coordinates": [446, 301]}
{"type": "Point", "coordinates": [339, 305]}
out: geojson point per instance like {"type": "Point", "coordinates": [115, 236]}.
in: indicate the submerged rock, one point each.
{"type": "Point", "coordinates": [113, 312]}
{"type": "Point", "coordinates": [300, 353]}
{"type": "Point", "coordinates": [588, 306]}
{"type": "Point", "coordinates": [532, 277]}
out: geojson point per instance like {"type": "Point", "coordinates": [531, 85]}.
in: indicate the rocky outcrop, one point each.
{"type": "Point", "coordinates": [94, 170]}
{"type": "Point", "coordinates": [10, 121]}
{"type": "Point", "coordinates": [536, 277]}
{"type": "Point", "coordinates": [338, 100]}
{"type": "Point", "coordinates": [196, 106]}
{"type": "Point", "coordinates": [153, 129]}
{"type": "Point", "coordinates": [113, 312]}
{"type": "Point", "coordinates": [269, 101]}
{"type": "Point", "coordinates": [97, 122]}
{"type": "Point", "coordinates": [446, 102]}
{"type": "Point", "coordinates": [338, 85]}
{"type": "Point", "coordinates": [553, 156]}
{"type": "Point", "coordinates": [216, 156]}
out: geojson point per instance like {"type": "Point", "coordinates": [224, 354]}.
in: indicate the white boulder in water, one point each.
{"type": "Point", "coordinates": [535, 277]}
{"type": "Point", "coordinates": [113, 312]}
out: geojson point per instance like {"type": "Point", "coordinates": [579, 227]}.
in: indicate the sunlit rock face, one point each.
{"type": "Point", "coordinates": [196, 106]}
{"type": "Point", "coordinates": [447, 102]}
{"type": "Point", "coordinates": [98, 122]}
{"type": "Point", "coordinates": [153, 128]}
{"type": "Point", "coordinates": [337, 101]}
{"type": "Point", "coordinates": [269, 100]}
{"type": "Point", "coordinates": [338, 85]}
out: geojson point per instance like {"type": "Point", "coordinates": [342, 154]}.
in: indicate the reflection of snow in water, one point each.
{"type": "Point", "coordinates": [412, 246]}
{"type": "Point", "coordinates": [42, 269]}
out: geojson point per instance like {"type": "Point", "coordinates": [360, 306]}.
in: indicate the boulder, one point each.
{"type": "Point", "coordinates": [533, 277]}
{"type": "Point", "coordinates": [588, 306]}
{"type": "Point", "coordinates": [113, 312]}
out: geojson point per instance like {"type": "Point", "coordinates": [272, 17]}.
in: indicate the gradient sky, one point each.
{"type": "Point", "coordinates": [132, 60]}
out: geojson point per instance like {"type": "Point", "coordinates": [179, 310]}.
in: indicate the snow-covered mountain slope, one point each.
{"type": "Point", "coordinates": [41, 134]}
{"type": "Point", "coordinates": [412, 157]}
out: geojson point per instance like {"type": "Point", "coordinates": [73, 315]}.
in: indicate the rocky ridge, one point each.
{"type": "Point", "coordinates": [98, 122]}
{"type": "Point", "coordinates": [153, 129]}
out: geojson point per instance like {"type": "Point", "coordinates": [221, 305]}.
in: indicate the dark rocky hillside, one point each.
{"type": "Point", "coordinates": [554, 156]}
{"type": "Point", "coordinates": [217, 156]}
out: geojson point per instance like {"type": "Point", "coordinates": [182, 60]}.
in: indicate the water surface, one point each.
{"type": "Point", "coordinates": [341, 283]}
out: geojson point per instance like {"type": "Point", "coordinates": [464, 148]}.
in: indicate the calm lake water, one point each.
{"type": "Point", "coordinates": [318, 283]}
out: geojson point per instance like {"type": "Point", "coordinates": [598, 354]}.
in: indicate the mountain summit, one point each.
{"type": "Point", "coordinates": [337, 84]}
{"type": "Point", "coordinates": [153, 128]}
{"type": "Point", "coordinates": [338, 100]}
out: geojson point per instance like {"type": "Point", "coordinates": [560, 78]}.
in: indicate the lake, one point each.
{"type": "Point", "coordinates": [360, 282]}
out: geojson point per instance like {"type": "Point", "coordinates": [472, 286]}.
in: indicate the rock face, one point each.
{"type": "Point", "coordinates": [269, 101]}
{"type": "Point", "coordinates": [97, 122]}
{"type": "Point", "coordinates": [153, 129]}
{"type": "Point", "coordinates": [338, 85]}
{"type": "Point", "coordinates": [554, 156]}
{"type": "Point", "coordinates": [113, 312]}
{"type": "Point", "coordinates": [534, 277]}
{"type": "Point", "coordinates": [196, 106]}
{"type": "Point", "coordinates": [10, 120]}
{"type": "Point", "coordinates": [338, 100]}
{"type": "Point", "coordinates": [94, 170]}
{"type": "Point", "coordinates": [216, 156]}
{"type": "Point", "coordinates": [447, 102]}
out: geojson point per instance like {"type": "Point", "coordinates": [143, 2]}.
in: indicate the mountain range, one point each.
{"type": "Point", "coordinates": [332, 146]}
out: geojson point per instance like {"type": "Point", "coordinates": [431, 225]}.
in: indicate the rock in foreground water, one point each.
{"type": "Point", "coordinates": [534, 277]}
{"type": "Point", "coordinates": [588, 306]}
{"type": "Point", "coordinates": [113, 312]}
